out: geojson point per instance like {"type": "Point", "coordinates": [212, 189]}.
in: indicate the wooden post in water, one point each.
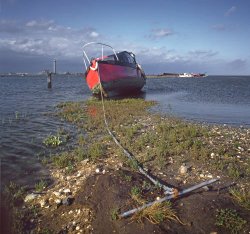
{"type": "Point", "coordinates": [49, 79]}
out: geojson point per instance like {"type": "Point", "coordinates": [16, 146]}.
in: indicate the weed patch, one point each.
{"type": "Point", "coordinates": [230, 220]}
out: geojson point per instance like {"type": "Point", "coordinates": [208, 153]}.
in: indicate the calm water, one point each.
{"type": "Point", "coordinates": [26, 106]}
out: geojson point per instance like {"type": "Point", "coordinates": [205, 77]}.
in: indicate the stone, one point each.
{"type": "Point", "coordinates": [58, 201]}
{"type": "Point", "coordinates": [67, 191]}
{"type": "Point", "coordinates": [67, 201]}
{"type": "Point", "coordinates": [57, 194]}
{"type": "Point", "coordinates": [30, 197]}
{"type": "Point", "coordinates": [97, 170]}
{"type": "Point", "coordinates": [43, 203]}
{"type": "Point", "coordinates": [183, 169]}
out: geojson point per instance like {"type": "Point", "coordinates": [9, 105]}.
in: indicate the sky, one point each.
{"type": "Point", "coordinates": [173, 36]}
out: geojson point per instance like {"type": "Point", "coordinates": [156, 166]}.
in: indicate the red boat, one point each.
{"type": "Point", "coordinates": [117, 73]}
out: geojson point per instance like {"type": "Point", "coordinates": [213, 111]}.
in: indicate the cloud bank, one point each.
{"type": "Point", "coordinates": [31, 46]}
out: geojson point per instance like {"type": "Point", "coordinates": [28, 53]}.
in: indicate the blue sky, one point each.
{"type": "Point", "coordinates": [166, 35]}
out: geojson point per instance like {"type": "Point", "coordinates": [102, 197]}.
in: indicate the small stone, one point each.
{"type": "Point", "coordinates": [67, 191]}
{"type": "Point", "coordinates": [206, 188]}
{"type": "Point", "coordinates": [60, 190]}
{"type": "Point", "coordinates": [58, 201]}
{"type": "Point", "coordinates": [85, 161]}
{"type": "Point", "coordinates": [171, 160]}
{"type": "Point", "coordinates": [30, 197]}
{"type": "Point", "coordinates": [77, 228]}
{"type": "Point", "coordinates": [202, 175]}
{"type": "Point", "coordinates": [97, 170]}
{"type": "Point", "coordinates": [103, 171]}
{"type": "Point", "coordinates": [212, 155]}
{"type": "Point", "coordinates": [43, 203]}
{"type": "Point", "coordinates": [67, 201]}
{"type": "Point", "coordinates": [209, 176]}
{"type": "Point", "coordinates": [57, 194]}
{"type": "Point", "coordinates": [183, 169]}
{"type": "Point", "coordinates": [158, 198]}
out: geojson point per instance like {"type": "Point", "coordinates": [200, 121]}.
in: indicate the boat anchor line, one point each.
{"type": "Point", "coordinates": [168, 197]}
{"type": "Point", "coordinates": [171, 193]}
{"type": "Point", "coordinates": [167, 190]}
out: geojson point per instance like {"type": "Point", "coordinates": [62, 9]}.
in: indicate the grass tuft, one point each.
{"type": "Point", "coordinates": [230, 220]}
{"type": "Point", "coordinates": [157, 213]}
{"type": "Point", "coordinates": [241, 197]}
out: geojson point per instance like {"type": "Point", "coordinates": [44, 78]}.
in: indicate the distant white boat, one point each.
{"type": "Point", "coordinates": [185, 75]}
{"type": "Point", "coordinates": [190, 75]}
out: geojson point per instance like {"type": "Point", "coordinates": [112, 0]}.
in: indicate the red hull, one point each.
{"type": "Point", "coordinates": [115, 78]}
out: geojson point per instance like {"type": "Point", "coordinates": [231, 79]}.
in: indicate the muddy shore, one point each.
{"type": "Point", "coordinates": [94, 182]}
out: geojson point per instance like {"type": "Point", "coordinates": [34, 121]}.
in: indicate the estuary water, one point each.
{"type": "Point", "coordinates": [27, 107]}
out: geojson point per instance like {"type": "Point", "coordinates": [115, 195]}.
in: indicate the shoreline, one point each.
{"type": "Point", "coordinates": [207, 152]}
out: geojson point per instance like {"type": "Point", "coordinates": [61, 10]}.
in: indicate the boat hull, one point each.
{"type": "Point", "coordinates": [115, 78]}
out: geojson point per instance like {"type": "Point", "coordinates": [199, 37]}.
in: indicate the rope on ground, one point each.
{"type": "Point", "coordinates": [167, 190]}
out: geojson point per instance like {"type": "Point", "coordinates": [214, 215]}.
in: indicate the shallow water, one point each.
{"type": "Point", "coordinates": [26, 107]}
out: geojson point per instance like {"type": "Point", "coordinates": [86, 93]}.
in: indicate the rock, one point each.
{"type": "Point", "coordinates": [97, 170]}
{"type": "Point", "coordinates": [85, 161]}
{"type": "Point", "coordinates": [67, 191]}
{"type": "Point", "coordinates": [67, 201]}
{"type": "Point", "coordinates": [30, 197]}
{"type": "Point", "coordinates": [171, 160]}
{"type": "Point", "coordinates": [206, 188]}
{"type": "Point", "coordinates": [43, 203]}
{"type": "Point", "coordinates": [212, 155]}
{"type": "Point", "coordinates": [57, 194]}
{"type": "Point", "coordinates": [183, 169]}
{"type": "Point", "coordinates": [58, 201]}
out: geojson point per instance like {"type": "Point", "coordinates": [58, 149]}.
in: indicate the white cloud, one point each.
{"type": "Point", "coordinates": [160, 33]}
{"type": "Point", "coordinates": [94, 34]}
{"type": "Point", "coordinates": [45, 37]}
{"type": "Point", "coordinates": [202, 54]}
{"type": "Point", "coordinates": [230, 11]}
{"type": "Point", "coordinates": [219, 27]}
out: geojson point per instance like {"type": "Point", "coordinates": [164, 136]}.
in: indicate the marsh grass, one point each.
{"type": "Point", "coordinates": [115, 214]}
{"type": "Point", "coordinates": [40, 186]}
{"type": "Point", "coordinates": [230, 220]}
{"type": "Point", "coordinates": [52, 140]}
{"type": "Point", "coordinates": [151, 138]}
{"type": "Point", "coordinates": [157, 213]}
{"type": "Point", "coordinates": [242, 197]}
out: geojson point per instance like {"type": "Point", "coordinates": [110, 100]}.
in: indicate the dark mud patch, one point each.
{"type": "Point", "coordinates": [109, 192]}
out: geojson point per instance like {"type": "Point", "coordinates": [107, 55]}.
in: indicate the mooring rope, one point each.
{"type": "Point", "coordinates": [170, 192]}
{"type": "Point", "coordinates": [167, 190]}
